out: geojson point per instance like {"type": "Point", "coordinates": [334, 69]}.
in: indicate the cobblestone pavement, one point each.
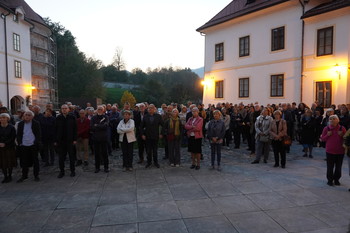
{"type": "Point", "coordinates": [241, 198]}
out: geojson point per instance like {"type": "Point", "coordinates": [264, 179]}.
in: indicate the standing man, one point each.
{"type": "Point", "coordinates": [150, 133]}
{"type": "Point", "coordinates": [99, 127]}
{"type": "Point", "coordinates": [66, 138]}
{"type": "Point", "coordinates": [140, 142]}
{"type": "Point", "coordinates": [29, 139]}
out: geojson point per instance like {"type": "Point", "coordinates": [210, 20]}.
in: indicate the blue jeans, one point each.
{"type": "Point", "coordinates": [215, 149]}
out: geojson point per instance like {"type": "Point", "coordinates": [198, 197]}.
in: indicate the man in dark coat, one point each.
{"type": "Point", "coordinates": [66, 139]}
{"type": "Point", "coordinates": [29, 140]}
{"type": "Point", "coordinates": [138, 117]}
{"type": "Point", "coordinates": [151, 133]}
{"type": "Point", "coordinates": [99, 128]}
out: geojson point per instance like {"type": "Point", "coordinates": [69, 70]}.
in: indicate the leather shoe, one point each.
{"type": "Point", "coordinates": [60, 175]}
{"type": "Point", "coordinates": [336, 182]}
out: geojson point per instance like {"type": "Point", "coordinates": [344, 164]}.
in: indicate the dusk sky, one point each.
{"type": "Point", "coordinates": [152, 33]}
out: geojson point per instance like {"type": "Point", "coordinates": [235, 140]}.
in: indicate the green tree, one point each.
{"type": "Point", "coordinates": [78, 76]}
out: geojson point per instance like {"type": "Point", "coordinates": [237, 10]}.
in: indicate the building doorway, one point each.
{"type": "Point", "coordinates": [324, 93]}
{"type": "Point", "coordinates": [17, 102]}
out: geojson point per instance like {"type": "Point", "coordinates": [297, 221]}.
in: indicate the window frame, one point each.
{"type": "Point", "coordinates": [219, 52]}
{"type": "Point", "coordinates": [18, 69]}
{"type": "Point", "coordinates": [219, 94]}
{"type": "Point", "coordinates": [275, 39]}
{"type": "Point", "coordinates": [276, 85]}
{"type": "Point", "coordinates": [246, 46]}
{"type": "Point", "coordinates": [324, 31]}
{"type": "Point", "coordinates": [16, 42]}
{"type": "Point", "coordinates": [244, 85]}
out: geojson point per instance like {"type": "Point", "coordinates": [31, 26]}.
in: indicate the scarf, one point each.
{"type": "Point", "coordinates": [175, 126]}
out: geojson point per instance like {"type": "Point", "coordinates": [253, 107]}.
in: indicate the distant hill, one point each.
{"type": "Point", "coordinates": [199, 72]}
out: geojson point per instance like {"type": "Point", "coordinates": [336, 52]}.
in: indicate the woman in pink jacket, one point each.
{"type": "Point", "coordinates": [333, 136]}
{"type": "Point", "coordinates": [194, 127]}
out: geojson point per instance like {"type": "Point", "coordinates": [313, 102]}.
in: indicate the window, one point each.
{"type": "Point", "coordinates": [219, 89]}
{"type": "Point", "coordinates": [18, 69]}
{"type": "Point", "coordinates": [243, 87]}
{"type": "Point", "coordinates": [15, 18]}
{"type": "Point", "coordinates": [244, 46]}
{"type": "Point", "coordinates": [325, 41]}
{"type": "Point", "coordinates": [277, 39]}
{"type": "Point", "coordinates": [219, 52]}
{"type": "Point", "coordinates": [16, 42]}
{"type": "Point", "coordinates": [324, 93]}
{"type": "Point", "coordinates": [277, 85]}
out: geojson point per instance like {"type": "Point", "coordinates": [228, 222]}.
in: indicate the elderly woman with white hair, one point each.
{"type": "Point", "coordinates": [333, 136]}
{"type": "Point", "coordinates": [126, 131]}
{"type": "Point", "coordinates": [7, 147]}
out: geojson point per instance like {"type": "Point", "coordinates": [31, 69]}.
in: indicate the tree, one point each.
{"type": "Point", "coordinates": [78, 76]}
{"type": "Point", "coordinates": [128, 97]}
{"type": "Point", "coordinates": [118, 60]}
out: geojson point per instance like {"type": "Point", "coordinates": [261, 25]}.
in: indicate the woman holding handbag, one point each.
{"type": "Point", "coordinates": [278, 133]}
{"type": "Point", "coordinates": [262, 136]}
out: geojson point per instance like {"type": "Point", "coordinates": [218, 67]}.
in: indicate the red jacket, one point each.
{"type": "Point", "coordinates": [198, 127]}
{"type": "Point", "coordinates": [83, 128]}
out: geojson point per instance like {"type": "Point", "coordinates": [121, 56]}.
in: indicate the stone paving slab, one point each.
{"type": "Point", "coordinates": [241, 198]}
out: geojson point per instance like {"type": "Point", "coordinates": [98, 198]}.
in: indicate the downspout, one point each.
{"type": "Point", "coordinates": [302, 53]}
{"type": "Point", "coordinates": [6, 61]}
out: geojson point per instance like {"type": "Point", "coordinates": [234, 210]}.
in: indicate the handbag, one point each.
{"type": "Point", "coordinates": [287, 141]}
{"type": "Point", "coordinates": [263, 138]}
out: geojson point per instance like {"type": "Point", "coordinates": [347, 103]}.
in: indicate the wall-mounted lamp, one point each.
{"type": "Point", "coordinates": [33, 87]}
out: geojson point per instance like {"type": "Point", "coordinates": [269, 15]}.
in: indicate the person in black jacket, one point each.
{"type": "Point", "coordinates": [8, 158]}
{"type": "Point", "coordinates": [99, 127]}
{"type": "Point", "coordinates": [66, 138]}
{"type": "Point", "coordinates": [308, 132]}
{"type": "Point", "coordinates": [138, 117]}
{"type": "Point", "coordinates": [150, 133]}
{"type": "Point", "coordinates": [29, 141]}
{"type": "Point", "coordinates": [48, 137]}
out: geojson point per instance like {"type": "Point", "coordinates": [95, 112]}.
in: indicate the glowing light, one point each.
{"type": "Point", "coordinates": [33, 87]}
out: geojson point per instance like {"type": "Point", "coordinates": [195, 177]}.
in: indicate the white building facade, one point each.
{"type": "Point", "coordinates": [266, 51]}
{"type": "Point", "coordinates": [15, 58]}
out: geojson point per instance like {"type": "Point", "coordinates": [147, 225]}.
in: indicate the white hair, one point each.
{"type": "Point", "coordinates": [29, 112]}
{"type": "Point", "coordinates": [5, 115]}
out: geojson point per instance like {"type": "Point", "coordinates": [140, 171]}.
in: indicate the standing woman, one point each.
{"type": "Point", "coordinates": [333, 136]}
{"type": "Point", "coordinates": [278, 132]}
{"type": "Point", "coordinates": [262, 136]}
{"type": "Point", "coordinates": [227, 120]}
{"type": "Point", "coordinates": [127, 138]}
{"type": "Point", "coordinates": [216, 133]}
{"type": "Point", "coordinates": [172, 130]}
{"type": "Point", "coordinates": [194, 131]}
{"type": "Point", "coordinates": [308, 132]}
{"type": "Point", "coordinates": [7, 147]}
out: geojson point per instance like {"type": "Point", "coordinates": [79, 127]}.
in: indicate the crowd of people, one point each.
{"type": "Point", "coordinates": [75, 132]}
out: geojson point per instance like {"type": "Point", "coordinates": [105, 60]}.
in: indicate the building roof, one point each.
{"type": "Point", "coordinates": [29, 12]}
{"type": "Point", "coordinates": [239, 8]}
{"type": "Point", "coordinates": [326, 7]}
